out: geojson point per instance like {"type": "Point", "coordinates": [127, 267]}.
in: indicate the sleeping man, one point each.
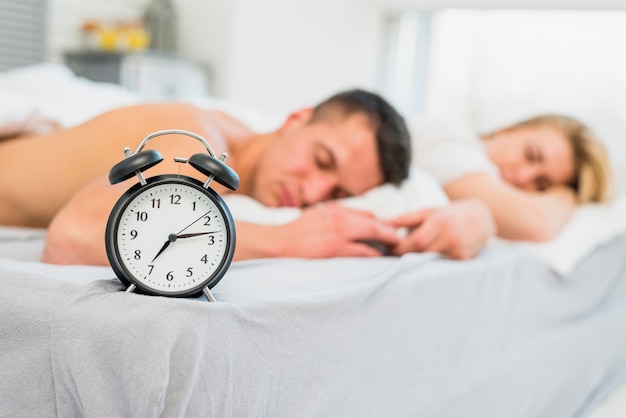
{"type": "Point", "coordinates": [343, 147]}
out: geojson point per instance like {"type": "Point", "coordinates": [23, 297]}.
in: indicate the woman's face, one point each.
{"type": "Point", "coordinates": [532, 158]}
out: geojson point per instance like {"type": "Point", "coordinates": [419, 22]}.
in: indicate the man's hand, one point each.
{"type": "Point", "coordinates": [457, 231]}
{"type": "Point", "coordinates": [323, 231]}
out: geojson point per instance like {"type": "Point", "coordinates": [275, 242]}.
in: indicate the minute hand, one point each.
{"type": "Point", "coordinates": [193, 222]}
{"type": "Point", "coordinates": [195, 234]}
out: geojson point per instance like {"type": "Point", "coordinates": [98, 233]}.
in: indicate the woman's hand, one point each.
{"type": "Point", "coordinates": [457, 231]}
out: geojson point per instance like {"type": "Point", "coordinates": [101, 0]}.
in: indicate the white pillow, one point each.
{"type": "Point", "coordinates": [21, 115]}
{"type": "Point", "coordinates": [41, 97]}
{"type": "Point", "coordinates": [590, 226]}
{"type": "Point", "coordinates": [419, 191]}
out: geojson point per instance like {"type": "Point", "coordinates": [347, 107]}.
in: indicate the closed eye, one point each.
{"type": "Point", "coordinates": [324, 159]}
{"type": "Point", "coordinates": [532, 154]}
{"type": "Point", "coordinates": [339, 193]}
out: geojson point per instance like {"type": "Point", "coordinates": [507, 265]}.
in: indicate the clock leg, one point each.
{"type": "Point", "coordinates": [131, 288]}
{"type": "Point", "coordinates": [208, 294]}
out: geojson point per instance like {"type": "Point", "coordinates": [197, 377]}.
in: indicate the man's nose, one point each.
{"type": "Point", "coordinates": [318, 189]}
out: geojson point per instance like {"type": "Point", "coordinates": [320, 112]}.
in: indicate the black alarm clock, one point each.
{"type": "Point", "coordinates": [171, 235]}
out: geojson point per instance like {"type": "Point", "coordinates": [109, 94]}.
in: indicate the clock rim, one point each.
{"type": "Point", "coordinates": [113, 255]}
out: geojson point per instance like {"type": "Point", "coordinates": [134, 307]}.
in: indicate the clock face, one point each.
{"type": "Point", "coordinates": [171, 236]}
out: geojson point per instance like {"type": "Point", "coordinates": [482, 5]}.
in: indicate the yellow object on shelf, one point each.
{"type": "Point", "coordinates": [119, 37]}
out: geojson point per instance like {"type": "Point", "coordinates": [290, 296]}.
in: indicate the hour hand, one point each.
{"type": "Point", "coordinates": [171, 238]}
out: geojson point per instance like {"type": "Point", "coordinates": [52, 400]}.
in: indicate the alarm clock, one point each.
{"type": "Point", "coordinates": [171, 235]}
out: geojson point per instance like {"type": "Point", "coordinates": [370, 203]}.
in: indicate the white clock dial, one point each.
{"type": "Point", "coordinates": [172, 237]}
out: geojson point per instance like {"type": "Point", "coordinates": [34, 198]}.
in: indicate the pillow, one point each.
{"type": "Point", "coordinates": [20, 115]}
{"type": "Point", "coordinates": [418, 191]}
{"type": "Point", "coordinates": [41, 97]}
{"type": "Point", "coordinates": [591, 225]}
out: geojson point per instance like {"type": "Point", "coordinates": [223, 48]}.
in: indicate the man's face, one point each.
{"type": "Point", "coordinates": [317, 161]}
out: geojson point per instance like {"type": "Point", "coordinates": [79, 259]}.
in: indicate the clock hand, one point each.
{"type": "Point", "coordinates": [171, 238]}
{"type": "Point", "coordinates": [195, 234]}
{"type": "Point", "coordinates": [203, 215]}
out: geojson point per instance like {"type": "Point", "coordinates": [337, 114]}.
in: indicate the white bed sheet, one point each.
{"type": "Point", "coordinates": [501, 335]}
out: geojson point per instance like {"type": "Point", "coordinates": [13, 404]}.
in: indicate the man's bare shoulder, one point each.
{"type": "Point", "coordinates": [229, 126]}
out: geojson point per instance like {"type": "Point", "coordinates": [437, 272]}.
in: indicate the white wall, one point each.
{"type": "Point", "coordinates": [275, 54]}
{"type": "Point", "coordinates": [206, 32]}
{"type": "Point", "coordinates": [281, 54]}
{"type": "Point", "coordinates": [287, 53]}
{"type": "Point", "coordinates": [501, 4]}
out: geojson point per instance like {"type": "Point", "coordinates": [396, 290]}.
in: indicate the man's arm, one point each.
{"type": "Point", "coordinates": [76, 234]}
{"type": "Point", "coordinates": [457, 231]}
{"type": "Point", "coordinates": [323, 231]}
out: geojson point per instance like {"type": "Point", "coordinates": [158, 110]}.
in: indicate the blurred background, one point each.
{"type": "Point", "coordinates": [277, 54]}
{"type": "Point", "coordinates": [483, 63]}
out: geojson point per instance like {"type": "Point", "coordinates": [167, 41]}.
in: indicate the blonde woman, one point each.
{"type": "Point", "coordinates": [530, 176]}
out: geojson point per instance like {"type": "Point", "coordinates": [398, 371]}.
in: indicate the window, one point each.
{"type": "Point", "coordinates": [488, 68]}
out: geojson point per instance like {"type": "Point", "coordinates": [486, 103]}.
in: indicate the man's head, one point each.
{"type": "Point", "coordinates": [346, 145]}
{"type": "Point", "coordinates": [393, 140]}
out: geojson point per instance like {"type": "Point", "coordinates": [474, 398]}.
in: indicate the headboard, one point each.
{"type": "Point", "coordinates": [22, 32]}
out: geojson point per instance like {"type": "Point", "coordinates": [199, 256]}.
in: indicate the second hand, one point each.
{"type": "Point", "coordinates": [179, 232]}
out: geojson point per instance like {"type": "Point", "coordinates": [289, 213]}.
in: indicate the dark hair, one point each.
{"type": "Point", "coordinates": [392, 135]}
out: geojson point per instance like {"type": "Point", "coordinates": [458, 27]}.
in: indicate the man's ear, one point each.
{"type": "Point", "coordinates": [297, 118]}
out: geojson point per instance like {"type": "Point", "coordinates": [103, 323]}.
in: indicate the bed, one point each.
{"type": "Point", "coordinates": [501, 335]}
{"type": "Point", "coordinates": [523, 330]}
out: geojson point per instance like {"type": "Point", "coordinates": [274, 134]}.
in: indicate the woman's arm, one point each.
{"type": "Point", "coordinates": [532, 216]}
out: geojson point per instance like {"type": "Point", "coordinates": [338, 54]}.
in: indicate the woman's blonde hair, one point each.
{"type": "Point", "coordinates": [593, 176]}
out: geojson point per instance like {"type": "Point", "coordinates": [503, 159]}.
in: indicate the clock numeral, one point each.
{"type": "Point", "coordinates": [204, 259]}
{"type": "Point", "coordinates": [142, 216]}
{"type": "Point", "coordinates": [169, 276]}
{"type": "Point", "coordinates": [189, 272]}
{"type": "Point", "coordinates": [151, 268]}
{"type": "Point", "coordinates": [137, 254]}
{"type": "Point", "coordinates": [193, 204]}
{"type": "Point", "coordinates": [211, 240]}
{"type": "Point", "coordinates": [175, 199]}
{"type": "Point", "coordinates": [133, 234]}
{"type": "Point", "coordinates": [207, 221]}
{"type": "Point", "coordinates": [156, 203]}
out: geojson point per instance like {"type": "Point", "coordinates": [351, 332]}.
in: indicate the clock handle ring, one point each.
{"type": "Point", "coordinates": [177, 132]}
